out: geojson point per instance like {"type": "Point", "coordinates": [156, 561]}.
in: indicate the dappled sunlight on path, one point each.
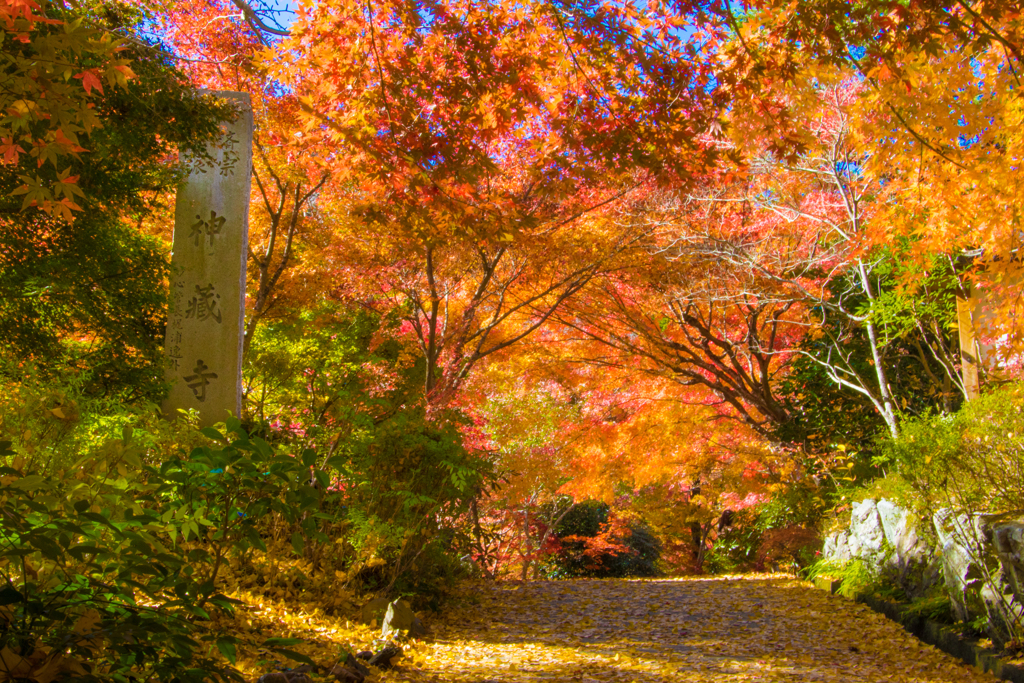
{"type": "Point", "coordinates": [718, 629]}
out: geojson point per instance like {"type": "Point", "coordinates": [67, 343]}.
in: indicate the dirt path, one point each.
{"type": "Point", "coordinates": [722, 629]}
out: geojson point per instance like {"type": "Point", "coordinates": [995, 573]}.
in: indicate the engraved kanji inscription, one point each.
{"type": "Point", "coordinates": [199, 380]}
{"type": "Point", "coordinates": [208, 228]}
{"type": "Point", "coordinates": [204, 306]}
{"type": "Point", "coordinates": [174, 356]}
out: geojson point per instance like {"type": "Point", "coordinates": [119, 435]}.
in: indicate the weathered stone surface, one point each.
{"type": "Point", "coordinates": [961, 575]}
{"type": "Point", "coordinates": [998, 562]}
{"type": "Point", "coordinates": [900, 533]}
{"type": "Point", "coordinates": [1008, 541]}
{"type": "Point", "coordinates": [979, 558]}
{"type": "Point", "coordinates": [400, 620]}
{"type": "Point", "coordinates": [345, 674]}
{"type": "Point", "coordinates": [866, 528]}
{"type": "Point", "coordinates": [842, 549]}
{"type": "Point", "coordinates": [284, 677]}
{"type": "Point", "coordinates": [203, 344]}
{"type": "Point", "coordinates": [828, 546]}
{"type": "Point", "coordinates": [837, 547]}
{"type": "Point", "coordinates": [374, 610]}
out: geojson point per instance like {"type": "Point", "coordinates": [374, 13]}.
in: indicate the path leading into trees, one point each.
{"type": "Point", "coordinates": [721, 629]}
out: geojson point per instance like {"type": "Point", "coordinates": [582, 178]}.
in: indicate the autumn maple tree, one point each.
{"type": "Point", "coordinates": [55, 62]}
{"type": "Point", "coordinates": [939, 107]}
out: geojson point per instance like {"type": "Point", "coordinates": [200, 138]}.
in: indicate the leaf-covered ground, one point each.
{"type": "Point", "coordinates": [720, 629]}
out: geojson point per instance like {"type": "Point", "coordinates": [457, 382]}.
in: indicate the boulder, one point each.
{"type": "Point", "coordinates": [285, 677]}
{"type": "Point", "coordinates": [275, 677]}
{"type": "Point", "coordinates": [866, 528]}
{"type": "Point", "coordinates": [1008, 542]}
{"type": "Point", "coordinates": [1001, 564]}
{"type": "Point", "coordinates": [853, 545]}
{"type": "Point", "coordinates": [374, 610]}
{"type": "Point", "coordinates": [828, 546]}
{"type": "Point", "coordinates": [343, 674]}
{"type": "Point", "coordinates": [842, 548]}
{"type": "Point", "coordinates": [910, 558]}
{"type": "Point", "coordinates": [355, 663]}
{"type": "Point", "coordinates": [959, 569]}
{"type": "Point", "coordinates": [1005, 613]}
{"type": "Point", "coordinates": [400, 620]}
{"type": "Point", "coordinates": [900, 533]}
{"type": "Point", "coordinates": [837, 547]}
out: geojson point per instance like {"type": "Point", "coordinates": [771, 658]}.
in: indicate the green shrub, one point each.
{"type": "Point", "coordinates": [856, 577]}
{"type": "Point", "coordinates": [970, 461]}
{"type": "Point", "coordinates": [406, 480]}
{"type": "Point", "coordinates": [109, 569]}
{"type": "Point", "coordinates": [404, 477]}
{"type": "Point", "coordinates": [92, 585]}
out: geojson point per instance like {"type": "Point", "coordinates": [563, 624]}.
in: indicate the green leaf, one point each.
{"type": "Point", "coordinates": [213, 434]}
{"type": "Point", "coordinates": [281, 642]}
{"type": "Point", "coordinates": [29, 483]}
{"type": "Point", "coordinates": [226, 645]}
{"type": "Point", "coordinates": [298, 543]}
{"type": "Point", "coordinates": [308, 457]}
{"type": "Point", "coordinates": [291, 654]}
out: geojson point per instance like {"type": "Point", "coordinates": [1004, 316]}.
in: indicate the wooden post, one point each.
{"type": "Point", "coordinates": [970, 357]}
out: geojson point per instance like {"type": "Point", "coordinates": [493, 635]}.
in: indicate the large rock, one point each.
{"type": "Point", "coordinates": [383, 659]}
{"type": "Point", "coordinates": [960, 573]}
{"type": "Point", "coordinates": [910, 558]}
{"type": "Point", "coordinates": [999, 539]}
{"type": "Point", "coordinates": [867, 536]}
{"type": "Point", "coordinates": [1008, 542]}
{"type": "Point", "coordinates": [900, 533]}
{"type": "Point", "coordinates": [979, 558]}
{"type": "Point", "coordinates": [374, 611]}
{"type": "Point", "coordinates": [837, 547]}
{"type": "Point", "coordinates": [400, 620]}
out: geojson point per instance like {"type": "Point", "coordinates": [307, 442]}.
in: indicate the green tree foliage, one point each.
{"type": "Point", "coordinates": [341, 383]}
{"type": "Point", "coordinates": [917, 346]}
{"type": "Point", "coordinates": [110, 573]}
{"type": "Point", "coordinates": [84, 287]}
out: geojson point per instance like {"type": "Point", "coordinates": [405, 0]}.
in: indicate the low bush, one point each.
{"type": "Point", "coordinates": [94, 584]}
{"type": "Point", "coordinates": [969, 461]}
{"type": "Point", "coordinates": [595, 542]}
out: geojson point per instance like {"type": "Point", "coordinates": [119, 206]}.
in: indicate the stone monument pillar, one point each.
{"type": "Point", "coordinates": [206, 315]}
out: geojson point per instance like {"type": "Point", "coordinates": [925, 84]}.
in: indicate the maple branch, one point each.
{"type": "Point", "coordinates": [432, 324]}
{"type": "Point", "coordinates": [380, 67]}
{"type": "Point", "coordinates": [256, 23]}
{"type": "Point", "coordinates": [992, 31]}
{"type": "Point", "coordinates": [919, 138]}
{"type": "Point", "coordinates": [572, 54]}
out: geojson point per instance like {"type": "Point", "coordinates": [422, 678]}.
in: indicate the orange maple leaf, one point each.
{"type": "Point", "coordinates": [10, 150]}
{"type": "Point", "coordinates": [67, 143]}
{"type": "Point", "coordinates": [90, 80]}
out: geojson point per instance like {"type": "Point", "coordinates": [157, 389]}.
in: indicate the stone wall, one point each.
{"type": "Point", "coordinates": [978, 558]}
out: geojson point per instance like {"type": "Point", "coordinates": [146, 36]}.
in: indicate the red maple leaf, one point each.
{"type": "Point", "coordinates": [90, 80]}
